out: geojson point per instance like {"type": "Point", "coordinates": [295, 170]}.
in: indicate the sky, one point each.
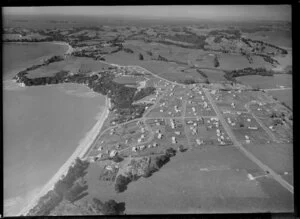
{"type": "Point", "coordinates": [241, 12]}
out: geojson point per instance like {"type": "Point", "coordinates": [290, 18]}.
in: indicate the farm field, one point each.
{"type": "Point", "coordinates": [214, 75]}
{"type": "Point", "coordinates": [264, 82]}
{"type": "Point", "coordinates": [277, 156]}
{"type": "Point", "coordinates": [285, 96]}
{"type": "Point", "coordinates": [72, 64]}
{"type": "Point", "coordinates": [277, 37]}
{"type": "Point", "coordinates": [201, 180]}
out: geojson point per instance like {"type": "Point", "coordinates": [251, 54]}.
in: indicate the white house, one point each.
{"type": "Point", "coordinates": [113, 153]}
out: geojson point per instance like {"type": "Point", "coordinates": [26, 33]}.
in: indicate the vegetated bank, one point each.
{"type": "Point", "coordinates": [122, 97]}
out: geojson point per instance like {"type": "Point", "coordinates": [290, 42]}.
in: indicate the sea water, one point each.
{"type": "Point", "coordinates": [42, 127]}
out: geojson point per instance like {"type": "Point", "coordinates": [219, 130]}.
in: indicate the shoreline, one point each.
{"type": "Point", "coordinates": [38, 60]}
{"type": "Point", "coordinates": [83, 146]}
{"type": "Point", "coordinates": [70, 48]}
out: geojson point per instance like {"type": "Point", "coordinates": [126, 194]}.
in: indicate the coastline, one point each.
{"type": "Point", "coordinates": [11, 73]}
{"type": "Point", "coordinates": [80, 152]}
{"type": "Point", "coordinates": [70, 48]}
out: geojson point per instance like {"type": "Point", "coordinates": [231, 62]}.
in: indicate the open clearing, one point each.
{"type": "Point", "coordinates": [285, 96]}
{"type": "Point", "coordinates": [264, 82]}
{"type": "Point", "coordinates": [72, 64]}
{"type": "Point", "coordinates": [211, 179]}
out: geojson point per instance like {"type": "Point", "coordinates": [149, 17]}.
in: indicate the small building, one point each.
{"type": "Point", "coordinates": [252, 127]}
{"type": "Point", "coordinates": [113, 153]}
{"type": "Point", "coordinates": [159, 136]}
{"type": "Point", "coordinates": [108, 167]}
{"type": "Point", "coordinates": [133, 149]}
{"type": "Point", "coordinates": [177, 133]}
{"type": "Point", "coordinates": [198, 141]}
{"type": "Point", "coordinates": [173, 140]}
{"type": "Point", "coordinates": [247, 137]}
{"type": "Point", "coordinates": [142, 147]}
{"type": "Point", "coordinates": [155, 144]}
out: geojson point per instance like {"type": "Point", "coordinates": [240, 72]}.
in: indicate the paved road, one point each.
{"type": "Point", "coordinates": [276, 176]}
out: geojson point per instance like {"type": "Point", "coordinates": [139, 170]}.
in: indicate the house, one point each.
{"type": "Point", "coordinates": [173, 140]}
{"type": "Point", "coordinates": [198, 141]}
{"type": "Point", "coordinates": [159, 136]}
{"type": "Point", "coordinates": [108, 167]}
{"type": "Point", "coordinates": [247, 137]}
{"type": "Point", "coordinates": [142, 147]}
{"type": "Point", "coordinates": [113, 153]}
{"type": "Point", "coordinates": [252, 127]}
{"type": "Point", "coordinates": [177, 133]}
{"type": "Point", "coordinates": [133, 149]}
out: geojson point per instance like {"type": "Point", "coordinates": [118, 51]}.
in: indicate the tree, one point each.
{"type": "Point", "coordinates": [117, 159]}
{"type": "Point", "coordinates": [141, 57]}
{"type": "Point", "coordinates": [111, 207]}
{"type": "Point", "coordinates": [181, 148]}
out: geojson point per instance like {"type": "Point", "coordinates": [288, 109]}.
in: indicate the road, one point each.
{"type": "Point", "coordinates": [237, 144]}
{"type": "Point", "coordinates": [276, 176]}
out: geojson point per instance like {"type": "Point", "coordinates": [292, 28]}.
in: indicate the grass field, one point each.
{"type": "Point", "coordinates": [264, 82]}
{"type": "Point", "coordinates": [277, 37]}
{"type": "Point", "coordinates": [271, 154]}
{"type": "Point", "coordinates": [72, 64]}
{"type": "Point", "coordinates": [198, 181]}
{"type": "Point", "coordinates": [285, 96]}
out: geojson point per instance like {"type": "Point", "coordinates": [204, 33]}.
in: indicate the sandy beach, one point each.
{"type": "Point", "coordinates": [80, 151]}
{"type": "Point", "coordinates": [70, 48]}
